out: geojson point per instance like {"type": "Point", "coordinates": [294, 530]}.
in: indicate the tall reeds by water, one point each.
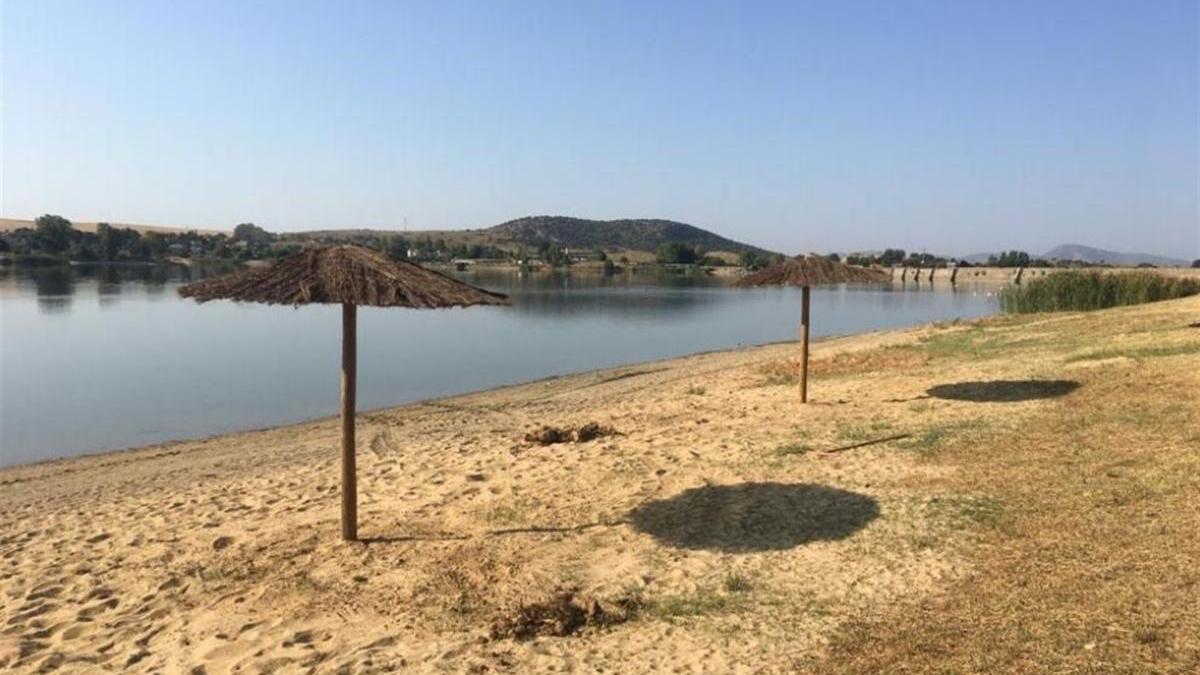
{"type": "Point", "coordinates": [1076, 290]}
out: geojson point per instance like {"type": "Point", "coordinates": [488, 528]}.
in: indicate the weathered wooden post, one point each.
{"type": "Point", "coordinates": [349, 387]}
{"type": "Point", "coordinates": [804, 293]}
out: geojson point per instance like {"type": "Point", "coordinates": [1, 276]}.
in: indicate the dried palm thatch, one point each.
{"type": "Point", "coordinates": [812, 271]}
{"type": "Point", "coordinates": [342, 274]}
{"type": "Point", "coordinates": [349, 276]}
{"type": "Point", "coordinates": [805, 272]}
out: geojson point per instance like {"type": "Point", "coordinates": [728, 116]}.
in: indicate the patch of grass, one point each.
{"type": "Point", "coordinates": [974, 344]}
{"type": "Point", "coordinates": [221, 571]}
{"type": "Point", "coordinates": [702, 602]}
{"type": "Point", "coordinates": [736, 582]}
{"type": "Point", "coordinates": [882, 359]}
{"type": "Point", "coordinates": [931, 439]}
{"type": "Point", "coordinates": [792, 449]}
{"type": "Point", "coordinates": [696, 390]}
{"type": "Point", "coordinates": [779, 373]}
{"type": "Point", "coordinates": [987, 342]}
{"type": "Point", "coordinates": [891, 357]}
{"type": "Point", "coordinates": [1146, 352]}
{"type": "Point", "coordinates": [919, 407]}
{"type": "Point", "coordinates": [857, 433]}
{"type": "Point", "coordinates": [509, 512]}
{"type": "Point", "coordinates": [975, 510]}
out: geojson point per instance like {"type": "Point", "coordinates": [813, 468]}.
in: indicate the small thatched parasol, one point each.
{"type": "Point", "coordinates": [805, 272]}
{"type": "Point", "coordinates": [350, 276]}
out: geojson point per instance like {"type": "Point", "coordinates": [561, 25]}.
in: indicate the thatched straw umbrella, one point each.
{"type": "Point", "coordinates": [349, 276]}
{"type": "Point", "coordinates": [807, 271]}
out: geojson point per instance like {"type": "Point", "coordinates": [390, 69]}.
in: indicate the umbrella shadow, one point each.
{"type": "Point", "coordinates": [1003, 391]}
{"type": "Point", "coordinates": [750, 517]}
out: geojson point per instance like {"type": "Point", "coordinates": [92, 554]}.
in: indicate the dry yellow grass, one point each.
{"type": "Point", "coordinates": [1035, 510]}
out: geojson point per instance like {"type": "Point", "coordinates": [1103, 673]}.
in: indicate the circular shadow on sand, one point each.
{"type": "Point", "coordinates": [751, 517]}
{"type": "Point", "coordinates": [1003, 391]}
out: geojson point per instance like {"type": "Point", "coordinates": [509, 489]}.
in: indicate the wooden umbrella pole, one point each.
{"type": "Point", "coordinates": [804, 344]}
{"type": "Point", "coordinates": [349, 386]}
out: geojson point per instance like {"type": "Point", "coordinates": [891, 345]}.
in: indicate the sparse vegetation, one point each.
{"type": "Point", "coordinates": [1077, 290]}
{"type": "Point", "coordinates": [1139, 352]}
{"type": "Point", "coordinates": [857, 433]}
{"type": "Point", "coordinates": [792, 449]}
{"type": "Point", "coordinates": [699, 603]}
{"type": "Point", "coordinates": [736, 582]}
{"type": "Point", "coordinates": [932, 438]}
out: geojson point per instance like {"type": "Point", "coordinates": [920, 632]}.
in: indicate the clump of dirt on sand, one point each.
{"type": "Point", "coordinates": [561, 615]}
{"type": "Point", "coordinates": [549, 435]}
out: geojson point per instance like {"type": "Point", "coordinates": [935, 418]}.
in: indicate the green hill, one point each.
{"type": "Point", "coordinates": [641, 234]}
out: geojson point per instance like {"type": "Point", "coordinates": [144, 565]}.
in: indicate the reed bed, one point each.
{"type": "Point", "coordinates": [1077, 290]}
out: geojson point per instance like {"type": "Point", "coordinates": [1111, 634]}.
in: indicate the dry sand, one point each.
{"type": "Point", "coordinates": [716, 514]}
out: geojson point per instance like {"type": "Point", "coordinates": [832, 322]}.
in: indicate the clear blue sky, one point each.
{"type": "Point", "coordinates": [956, 126]}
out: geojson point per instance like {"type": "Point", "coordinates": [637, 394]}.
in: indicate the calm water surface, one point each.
{"type": "Point", "coordinates": [95, 358]}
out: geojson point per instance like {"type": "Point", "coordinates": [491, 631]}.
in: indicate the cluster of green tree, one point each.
{"type": "Point", "coordinates": [552, 254]}
{"type": "Point", "coordinates": [897, 257]}
{"type": "Point", "coordinates": [418, 248]}
{"type": "Point", "coordinates": [753, 259]}
{"type": "Point", "coordinates": [680, 253]}
{"type": "Point", "coordinates": [1196, 264]}
{"type": "Point", "coordinates": [55, 237]}
{"type": "Point", "coordinates": [1010, 259]}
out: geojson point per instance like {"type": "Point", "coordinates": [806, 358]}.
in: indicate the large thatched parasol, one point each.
{"type": "Point", "coordinates": [350, 276]}
{"type": "Point", "coordinates": [805, 272]}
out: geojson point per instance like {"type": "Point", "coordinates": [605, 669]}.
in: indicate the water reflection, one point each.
{"type": "Point", "coordinates": [632, 296]}
{"type": "Point", "coordinates": [57, 286]}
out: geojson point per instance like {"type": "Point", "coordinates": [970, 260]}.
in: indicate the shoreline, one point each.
{"type": "Point", "coordinates": [442, 400]}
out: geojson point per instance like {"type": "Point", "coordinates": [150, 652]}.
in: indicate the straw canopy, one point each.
{"type": "Point", "coordinates": [349, 276]}
{"type": "Point", "coordinates": [342, 275]}
{"type": "Point", "coordinates": [806, 272]}
{"type": "Point", "coordinates": [812, 271]}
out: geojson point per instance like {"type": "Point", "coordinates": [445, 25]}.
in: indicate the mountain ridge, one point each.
{"type": "Point", "coordinates": [1093, 255]}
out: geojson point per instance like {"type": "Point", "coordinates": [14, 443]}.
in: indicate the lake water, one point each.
{"type": "Point", "coordinates": [95, 358]}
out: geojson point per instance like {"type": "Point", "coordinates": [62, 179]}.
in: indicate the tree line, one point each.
{"type": "Point", "coordinates": [53, 237]}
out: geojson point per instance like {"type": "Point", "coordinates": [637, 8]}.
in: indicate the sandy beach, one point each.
{"type": "Point", "coordinates": [932, 494]}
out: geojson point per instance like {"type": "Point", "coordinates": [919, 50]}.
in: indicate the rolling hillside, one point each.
{"type": "Point", "coordinates": [631, 234]}
{"type": "Point", "coordinates": [641, 234]}
{"type": "Point", "coordinates": [1098, 255]}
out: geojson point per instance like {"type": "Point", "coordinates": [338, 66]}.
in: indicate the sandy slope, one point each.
{"type": "Point", "coordinates": [222, 555]}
